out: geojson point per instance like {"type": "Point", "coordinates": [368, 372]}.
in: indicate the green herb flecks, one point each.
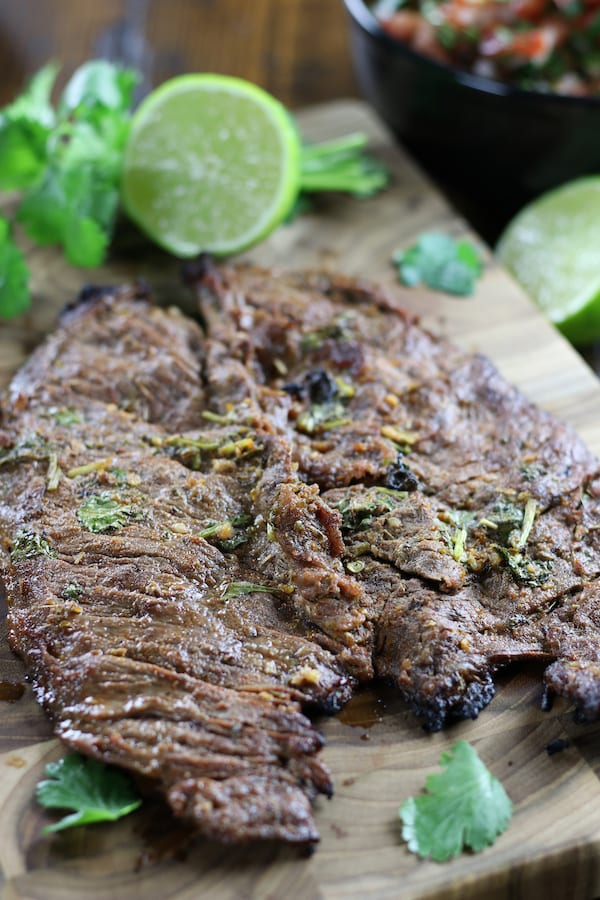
{"type": "Point", "coordinates": [98, 465]}
{"type": "Point", "coordinates": [360, 509]}
{"type": "Point", "coordinates": [54, 472]}
{"type": "Point", "coordinates": [191, 452]}
{"type": "Point", "coordinates": [28, 544]}
{"type": "Point", "coordinates": [229, 534]}
{"type": "Point", "coordinates": [104, 512]}
{"type": "Point", "coordinates": [531, 572]}
{"type": "Point", "coordinates": [458, 544]}
{"type": "Point", "coordinates": [345, 390]}
{"type": "Point", "coordinates": [464, 806]}
{"type": "Point", "coordinates": [194, 452]}
{"type": "Point", "coordinates": [228, 418]}
{"type": "Point", "coordinates": [320, 417]}
{"type": "Point", "coordinates": [505, 519]}
{"type": "Point", "coordinates": [462, 518]}
{"type": "Point", "coordinates": [448, 36]}
{"type": "Point", "coordinates": [239, 588]}
{"type": "Point", "coordinates": [94, 791]}
{"type": "Point", "coordinates": [456, 538]}
{"type": "Point", "coordinates": [532, 471]}
{"type": "Point", "coordinates": [328, 399]}
{"type": "Point", "coordinates": [528, 520]}
{"type": "Point", "coordinates": [336, 330]}
{"type": "Point", "coordinates": [34, 448]}
{"type": "Point", "coordinates": [71, 591]}
{"type": "Point", "coordinates": [355, 565]}
{"type": "Point", "coordinates": [31, 447]}
{"type": "Point", "coordinates": [66, 416]}
{"type": "Point", "coordinates": [440, 262]}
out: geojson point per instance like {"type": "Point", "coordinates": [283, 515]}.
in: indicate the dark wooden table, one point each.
{"type": "Point", "coordinates": [297, 49]}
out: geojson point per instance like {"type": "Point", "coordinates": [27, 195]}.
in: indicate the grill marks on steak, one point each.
{"type": "Point", "coordinates": [313, 492]}
{"type": "Point", "coordinates": [456, 581]}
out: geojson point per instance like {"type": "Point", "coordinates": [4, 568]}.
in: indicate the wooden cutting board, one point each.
{"type": "Point", "coordinates": [377, 752]}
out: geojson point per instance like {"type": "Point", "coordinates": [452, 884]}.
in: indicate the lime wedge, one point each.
{"type": "Point", "coordinates": [212, 163]}
{"type": "Point", "coordinates": [552, 247]}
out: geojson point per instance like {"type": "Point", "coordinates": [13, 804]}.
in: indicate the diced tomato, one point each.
{"type": "Point", "coordinates": [529, 10]}
{"type": "Point", "coordinates": [538, 44]}
{"type": "Point", "coordinates": [411, 28]}
{"type": "Point", "coordinates": [462, 15]}
{"type": "Point", "coordinates": [403, 24]}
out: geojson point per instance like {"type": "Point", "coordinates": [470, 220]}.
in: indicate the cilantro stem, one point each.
{"type": "Point", "coordinates": [349, 143]}
{"type": "Point", "coordinates": [341, 164]}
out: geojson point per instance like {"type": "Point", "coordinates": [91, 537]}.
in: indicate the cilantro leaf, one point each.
{"type": "Point", "coordinates": [441, 263]}
{"type": "Point", "coordinates": [96, 792]}
{"type": "Point", "coordinates": [98, 85]}
{"type": "Point", "coordinates": [34, 103]}
{"type": "Point", "coordinates": [463, 806]}
{"type": "Point", "coordinates": [103, 512]}
{"type": "Point", "coordinates": [14, 275]}
{"type": "Point", "coordinates": [24, 129]}
{"type": "Point", "coordinates": [74, 204]}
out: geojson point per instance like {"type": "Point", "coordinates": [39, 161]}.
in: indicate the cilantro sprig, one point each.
{"type": "Point", "coordinates": [94, 791]}
{"type": "Point", "coordinates": [65, 161]}
{"type": "Point", "coordinates": [440, 262]}
{"type": "Point", "coordinates": [463, 806]}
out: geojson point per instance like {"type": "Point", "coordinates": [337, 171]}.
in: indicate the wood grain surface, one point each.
{"type": "Point", "coordinates": [297, 49]}
{"type": "Point", "coordinates": [377, 752]}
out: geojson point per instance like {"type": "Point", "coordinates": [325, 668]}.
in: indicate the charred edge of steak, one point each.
{"type": "Point", "coordinates": [95, 293]}
{"type": "Point", "coordinates": [578, 682]}
{"type": "Point", "coordinates": [438, 711]}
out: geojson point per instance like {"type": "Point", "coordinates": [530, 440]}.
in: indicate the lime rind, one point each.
{"type": "Point", "coordinates": [552, 247]}
{"type": "Point", "coordinates": [212, 164]}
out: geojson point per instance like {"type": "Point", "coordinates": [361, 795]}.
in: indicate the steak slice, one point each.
{"type": "Point", "coordinates": [153, 639]}
{"type": "Point", "coordinates": [467, 513]}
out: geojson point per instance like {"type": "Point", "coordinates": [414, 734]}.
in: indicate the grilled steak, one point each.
{"type": "Point", "coordinates": [208, 532]}
{"type": "Point", "coordinates": [469, 516]}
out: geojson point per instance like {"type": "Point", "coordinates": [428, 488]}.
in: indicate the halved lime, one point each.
{"type": "Point", "coordinates": [552, 247]}
{"type": "Point", "coordinates": [212, 163]}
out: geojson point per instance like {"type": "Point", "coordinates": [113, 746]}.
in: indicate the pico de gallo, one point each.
{"type": "Point", "coordinates": [541, 45]}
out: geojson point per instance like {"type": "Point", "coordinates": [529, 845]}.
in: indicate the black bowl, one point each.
{"type": "Point", "coordinates": [498, 145]}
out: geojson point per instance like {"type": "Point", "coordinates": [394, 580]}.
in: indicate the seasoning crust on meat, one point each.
{"type": "Point", "coordinates": [209, 532]}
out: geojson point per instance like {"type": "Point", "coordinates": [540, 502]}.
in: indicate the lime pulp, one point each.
{"type": "Point", "coordinates": [212, 164]}
{"type": "Point", "coordinates": [552, 247]}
